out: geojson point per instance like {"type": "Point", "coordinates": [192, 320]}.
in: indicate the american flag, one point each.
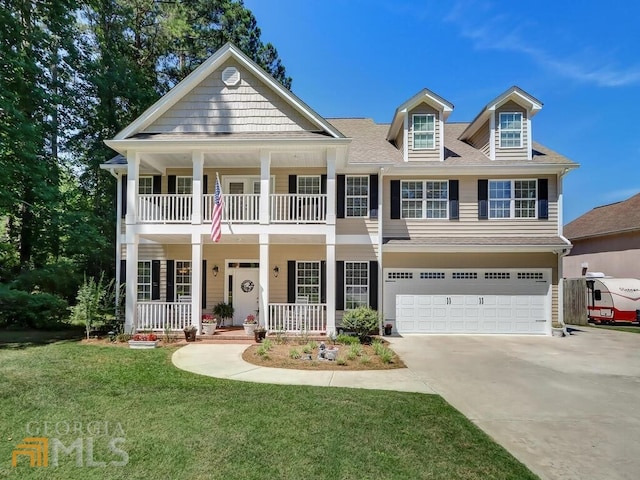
{"type": "Point", "coordinates": [218, 204]}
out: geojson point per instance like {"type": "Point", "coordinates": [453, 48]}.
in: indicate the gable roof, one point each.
{"type": "Point", "coordinates": [199, 74]}
{"type": "Point", "coordinates": [514, 93]}
{"type": "Point", "coordinates": [609, 219]}
{"type": "Point", "coordinates": [423, 96]}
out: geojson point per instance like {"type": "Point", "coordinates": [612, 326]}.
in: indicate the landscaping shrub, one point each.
{"type": "Point", "coordinates": [22, 309]}
{"type": "Point", "coordinates": [344, 339]}
{"type": "Point", "coordinates": [362, 320]}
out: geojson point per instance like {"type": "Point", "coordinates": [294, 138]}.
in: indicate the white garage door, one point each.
{"type": "Point", "coordinates": [468, 301]}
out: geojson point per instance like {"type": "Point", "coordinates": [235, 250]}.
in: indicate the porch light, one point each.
{"type": "Point", "coordinates": [276, 271]}
{"type": "Point", "coordinates": [215, 270]}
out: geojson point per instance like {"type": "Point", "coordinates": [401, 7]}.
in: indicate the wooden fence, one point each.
{"type": "Point", "coordinates": [575, 301]}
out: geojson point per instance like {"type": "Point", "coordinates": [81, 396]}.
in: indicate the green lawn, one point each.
{"type": "Point", "coordinates": [177, 425]}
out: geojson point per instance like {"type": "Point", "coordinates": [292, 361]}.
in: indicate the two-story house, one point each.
{"type": "Point", "coordinates": [443, 227]}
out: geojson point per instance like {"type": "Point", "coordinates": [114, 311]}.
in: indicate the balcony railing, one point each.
{"type": "Point", "coordinates": [238, 208]}
{"type": "Point", "coordinates": [297, 318]}
{"type": "Point", "coordinates": [163, 315]}
{"type": "Point", "coordinates": [167, 208]}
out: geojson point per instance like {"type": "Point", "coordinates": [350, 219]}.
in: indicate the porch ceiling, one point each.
{"type": "Point", "coordinates": [185, 239]}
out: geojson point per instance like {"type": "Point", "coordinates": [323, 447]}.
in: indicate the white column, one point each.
{"type": "Point", "coordinates": [133, 172]}
{"type": "Point", "coordinates": [380, 243]}
{"type": "Point", "coordinates": [331, 186]}
{"type": "Point", "coordinates": [265, 269]}
{"type": "Point", "coordinates": [197, 158]}
{"type": "Point", "coordinates": [130, 322]}
{"type": "Point", "coordinates": [331, 283]}
{"type": "Point", "coordinates": [118, 240]}
{"type": "Point", "coordinates": [265, 186]}
{"type": "Point", "coordinates": [196, 280]}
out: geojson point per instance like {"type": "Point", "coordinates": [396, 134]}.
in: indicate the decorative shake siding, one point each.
{"type": "Point", "coordinates": [424, 154]}
{"type": "Point", "coordinates": [468, 225]}
{"type": "Point", "coordinates": [511, 153]}
{"type": "Point", "coordinates": [249, 106]}
{"type": "Point", "coordinates": [481, 139]}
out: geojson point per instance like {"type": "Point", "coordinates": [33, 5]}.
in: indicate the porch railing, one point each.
{"type": "Point", "coordinates": [297, 208]}
{"type": "Point", "coordinates": [163, 315]}
{"type": "Point", "coordinates": [296, 317]}
{"type": "Point", "coordinates": [238, 208]}
{"type": "Point", "coordinates": [164, 208]}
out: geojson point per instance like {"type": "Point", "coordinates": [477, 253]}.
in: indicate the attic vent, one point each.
{"type": "Point", "coordinates": [230, 76]}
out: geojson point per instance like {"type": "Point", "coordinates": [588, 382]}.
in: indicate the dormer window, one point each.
{"type": "Point", "coordinates": [424, 131]}
{"type": "Point", "coordinates": [511, 130]}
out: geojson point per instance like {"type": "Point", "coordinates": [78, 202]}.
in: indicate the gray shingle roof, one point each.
{"type": "Point", "coordinates": [607, 219]}
{"type": "Point", "coordinates": [368, 140]}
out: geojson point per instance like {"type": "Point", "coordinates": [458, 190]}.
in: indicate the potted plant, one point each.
{"type": "Point", "coordinates": [259, 333]}
{"type": "Point", "coordinates": [250, 324]}
{"type": "Point", "coordinates": [144, 340]}
{"type": "Point", "coordinates": [557, 329]}
{"type": "Point", "coordinates": [209, 324]}
{"type": "Point", "coordinates": [190, 333]}
{"type": "Point", "coordinates": [388, 328]}
{"type": "Point", "coordinates": [223, 310]}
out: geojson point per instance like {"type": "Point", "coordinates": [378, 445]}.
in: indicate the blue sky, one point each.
{"type": "Point", "coordinates": [363, 58]}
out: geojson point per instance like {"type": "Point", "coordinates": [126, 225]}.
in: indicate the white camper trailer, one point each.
{"type": "Point", "coordinates": [612, 300]}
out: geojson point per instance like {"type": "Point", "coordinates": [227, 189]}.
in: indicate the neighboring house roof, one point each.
{"type": "Point", "coordinates": [199, 74]}
{"type": "Point", "coordinates": [514, 93]}
{"type": "Point", "coordinates": [368, 145]}
{"type": "Point", "coordinates": [609, 219]}
{"type": "Point", "coordinates": [423, 96]}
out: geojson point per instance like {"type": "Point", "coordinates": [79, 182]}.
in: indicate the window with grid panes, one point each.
{"type": "Point", "coordinates": [308, 281]}
{"type": "Point", "coordinates": [145, 185]}
{"type": "Point", "coordinates": [356, 284]}
{"type": "Point", "coordinates": [511, 130]}
{"type": "Point", "coordinates": [425, 199]}
{"type": "Point", "coordinates": [183, 278]}
{"type": "Point", "coordinates": [184, 185]}
{"type": "Point", "coordinates": [424, 131]}
{"type": "Point", "coordinates": [513, 198]}
{"type": "Point", "coordinates": [144, 280]}
{"type": "Point", "coordinates": [357, 196]}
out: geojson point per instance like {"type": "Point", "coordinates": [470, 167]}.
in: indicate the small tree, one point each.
{"type": "Point", "coordinates": [362, 320]}
{"type": "Point", "coordinates": [90, 302]}
{"type": "Point", "coordinates": [223, 310]}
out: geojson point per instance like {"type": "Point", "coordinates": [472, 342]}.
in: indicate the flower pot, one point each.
{"type": "Point", "coordinates": [249, 328]}
{"type": "Point", "coordinates": [209, 328]}
{"type": "Point", "coordinates": [259, 335]}
{"type": "Point", "coordinates": [388, 330]}
{"type": "Point", "coordinates": [143, 344]}
{"type": "Point", "coordinates": [190, 335]}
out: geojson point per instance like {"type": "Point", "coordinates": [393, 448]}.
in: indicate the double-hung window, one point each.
{"type": "Point", "coordinates": [424, 131]}
{"type": "Point", "coordinates": [183, 278]}
{"type": "Point", "coordinates": [145, 185]}
{"type": "Point", "coordinates": [425, 199]}
{"type": "Point", "coordinates": [184, 185]}
{"type": "Point", "coordinates": [357, 196]}
{"type": "Point", "coordinates": [309, 185]}
{"type": "Point", "coordinates": [308, 282]}
{"type": "Point", "coordinates": [356, 284]}
{"type": "Point", "coordinates": [144, 280]}
{"type": "Point", "coordinates": [512, 198]}
{"type": "Point", "coordinates": [511, 130]}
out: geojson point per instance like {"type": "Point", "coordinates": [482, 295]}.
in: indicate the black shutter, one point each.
{"type": "Point", "coordinates": [293, 184]}
{"type": "Point", "coordinates": [340, 285]}
{"type": "Point", "coordinates": [543, 198]}
{"type": "Point", "coordinates": [323, 282]}
{"type": "Point", "coordinates": [483, 197]}
{"type": "Point", "coordinates": [454, 200]}
{"type": "Point", "coordinates": [293, 188]}
{"type": "Point", "coordinates": [157, 184]}
{"type": "Point", "coordinates": [373, 196]}
{"type": "Point", "coordinates": [373, 284]}
{"type": "Point", "coordinates": [340, 192]}
{"type": "Point", "coordinates": [323, 184]}
{"type": "Point", "coordinates": [291, 281]}
{"type": "Point", "coordinates": [171, 184]}
{"type": "Point", "coordinates": [123, 272]}
{"type": "Point", "coordinates": [205, 184]}
{"type": "Point", "coordinates": [170, 278]}
{"type": "Point", "coordinates": [204, 284]}
{"type": "Point", "coordinates": [155, 279]}
{"type": "Point", "coordinates": [123, 198]}
{"type": "Point", "coordinates": [395, 198]}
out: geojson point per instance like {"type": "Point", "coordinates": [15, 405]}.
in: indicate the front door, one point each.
{"type": "Point", "coordinates": [246, 291]}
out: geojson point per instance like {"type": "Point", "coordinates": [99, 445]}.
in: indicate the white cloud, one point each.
{"type": "Point", "coordinates": [489, 31]}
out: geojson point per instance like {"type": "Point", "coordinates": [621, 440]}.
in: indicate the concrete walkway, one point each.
{"type": "Point", "coordinates": [225, 361]}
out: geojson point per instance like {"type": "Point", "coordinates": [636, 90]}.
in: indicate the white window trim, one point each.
{"type": "Point", "coordinates": [346, 196]}
{"type": "Point", "coordinates": [178, 177]}
{"type": "Point", "coordinates": [500, 129]}
{"type": "Point", "coordinates": [319, 265]}
{"type": "Point", "coordinates": [175, 276]}
{"type": "Point", "coordinates": [413, 130]}
{"type": "Point", "coordinates": [145, 177]}
{"type": "Point", "coordinates": [308, 176]}
{"type": "Point", "coordinates": [346, 263]}
{"type": "Point", "coordinates": [512, 200]}
{"type": "Point", "coordinates": [424, 200]}
{"type": "Point", "coordinates": [138, 284]}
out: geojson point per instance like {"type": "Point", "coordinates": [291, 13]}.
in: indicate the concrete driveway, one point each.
{"type": "Point", "coordinates": [568, 408]}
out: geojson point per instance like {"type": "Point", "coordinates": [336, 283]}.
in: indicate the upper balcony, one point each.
{"type": "Point", "coordinates": [238, 208]}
